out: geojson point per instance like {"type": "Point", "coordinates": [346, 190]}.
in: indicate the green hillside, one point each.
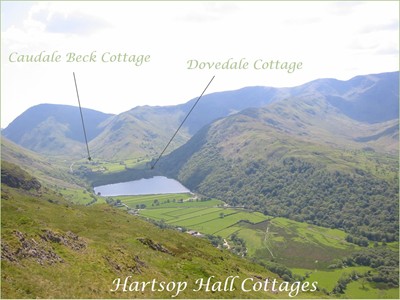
{"type": "Point", "coordinates": [140, 132]}
{"type": "Point", "coordinates": [53, 173]}
{"type": "Point", "coordinates": [54, 249]}
{"type": "Point", "coordinates": [285, 160]}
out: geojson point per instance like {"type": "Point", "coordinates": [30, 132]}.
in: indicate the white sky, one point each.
{"type": "Point", "coordinates": [332, 39]}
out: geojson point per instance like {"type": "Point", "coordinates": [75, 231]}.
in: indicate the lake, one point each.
{"type": "Point", "coordinates": [155, 185]}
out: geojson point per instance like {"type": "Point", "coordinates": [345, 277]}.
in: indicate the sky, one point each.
{"type": "Point", "coordinates": [329, 39]}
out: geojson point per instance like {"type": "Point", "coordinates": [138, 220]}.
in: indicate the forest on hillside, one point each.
{"type": "Point", "coordinates": [363, 205]}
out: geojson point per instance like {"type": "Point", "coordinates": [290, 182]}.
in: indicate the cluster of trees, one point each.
{"type": "Point", "coordinates": [113, 202]}
{"type": "Point", "coordinates": [343, 281]}
{"type": "Point", "coordinates": [360, 241]}
{"type": "Point", "coordinates": [216, 241]}
{"type": "Point", "coordinates": [238, 245]}
{"type": "Point", "coordinates": [357, 202]}
{"type": "Point", "coordinates": [373, 257]}
{"type": "Point", "coordinates": [285, 273]}
{"type": "Point", "coordinates": [161, 224]}
{"type": "Point", "coordinates": [157, 202]}
{"type": "Point", "coordinates": [385, 276]}
{"type": "Point", "coordinates": [382, 259]}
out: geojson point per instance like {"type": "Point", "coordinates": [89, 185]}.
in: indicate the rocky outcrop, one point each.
{"type": "Point", "coordinates": [123, 262]}
{"type": "Point", "coordinates": [30, 248]}
{"type": "Point", "coordinates": [6, 253]}
{"type": "Point", "coordinates": [134, 265]}
{"type": "Point", "coordinates": [139, 264]}
{"type": "Point", "coordinates": [69, 239]}
{"type": "Point", "coordinates": [154, 246]}
{"type": "Point", "coordinates": [41, 250]}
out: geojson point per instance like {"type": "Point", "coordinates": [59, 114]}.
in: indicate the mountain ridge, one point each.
{"type": "Point", "coordinates": [144, 130]}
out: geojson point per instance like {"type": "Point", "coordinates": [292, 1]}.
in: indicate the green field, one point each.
{"type": "Point", "coordinates": [294, 244]}
{"type": "Point", "coordinates": [304, 248]}
{"type": "Point", "coordinates": [164, 200]}
{"type": "Point", "coordinates": [107, 167]}
{"type": "Point", "coordinates": [360, 290]}
{"type": "Point", "coordinates": [209, 220]}
{"type": "Point", "coordinates": [328, 279]}
{"type": "Point", "coordinates": [186, 210]}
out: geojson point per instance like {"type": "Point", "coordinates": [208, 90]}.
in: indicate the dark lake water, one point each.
{"type": "Point", "coordinates": [155, 185]}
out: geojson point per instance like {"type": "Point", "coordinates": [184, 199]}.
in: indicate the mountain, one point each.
{"type": "Point", "coordinates": [300, 158]}
{"type": "Point", "coordinates": [55, 129]}
{"type": "Point", "coordinates": [140, 132]}
{"type": "Point", "coordinates": [144, 131]}
{"type": "Point", "coordinates": [369, 99]}
{"type": "Point", "coordinates": [53, 249]}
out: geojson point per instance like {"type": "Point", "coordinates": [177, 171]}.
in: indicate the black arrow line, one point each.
{"type": "Point", "coordinates": [83, 123]}
{"type": "Point", "coordinates": [198, 99]}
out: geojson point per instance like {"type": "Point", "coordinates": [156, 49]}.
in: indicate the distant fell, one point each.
{"type": "Point", "coordinates": [54, 129]}
{"type": "Point", "coordinates": [143, 131]}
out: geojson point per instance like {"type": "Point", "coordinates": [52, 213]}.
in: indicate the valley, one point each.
{"type": "Point", "coordinates": [298, 184]}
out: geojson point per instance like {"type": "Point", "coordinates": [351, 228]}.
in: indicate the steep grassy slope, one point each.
{"type": "Point", "coordinates": [53, 249]}
{"type": "Point", "coordinates": [296, 159]}
{"type": "Point", "coordinates": [52, 172]}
